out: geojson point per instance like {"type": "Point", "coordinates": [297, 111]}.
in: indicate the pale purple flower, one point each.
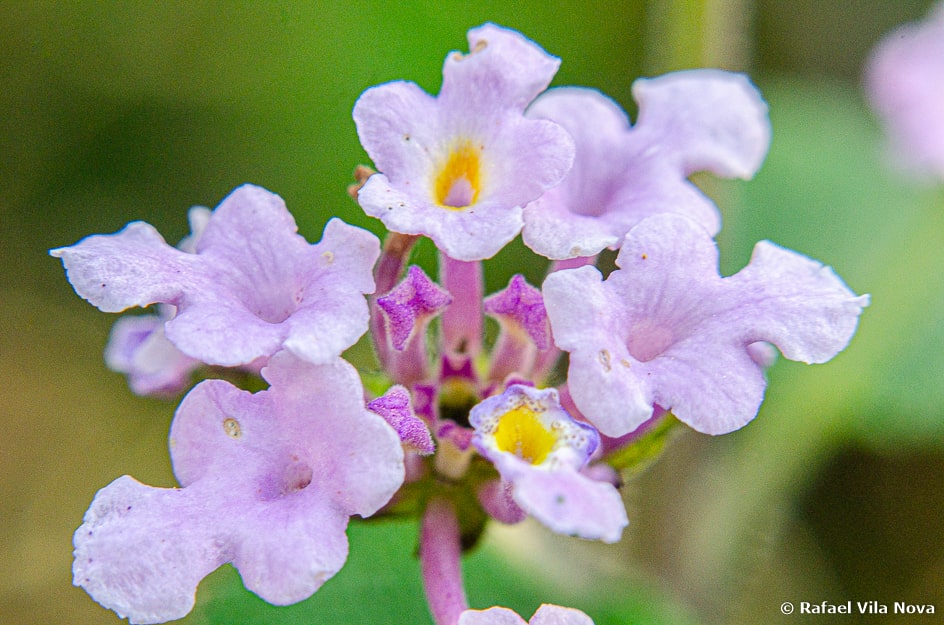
{"type": "Point", "coordinates": [397, 410]}
{"type": "Point", "coordinates": [401, 319]}
{"type": "Point", "coordinates": [410, 305]}
{"type": "Point", "coordinates": [137, 345]}
{"type": "Point", "coordinates": [691, 121]}
{"type": "Point", "coordinates": [665, 329]}
{"type": "Point", "coordinates": [268, 480]}
{"type": "Point", "coordinates": [138, 348]}
{"type": "Point", "coordinates": [252, 286]}
{"type": "Point", "coordinates": [905, 85]}
{"type": "Point", "coordinates": [523, 346]}
{"type": "Point", "coordinates": [540, 450]}
{"type": "Point", "coordinates": [497, 499]}
{"type": "Point", "coordinates": [547, 614]}
{"type": "Point", "coordinates": [458, 167]}
{"type": "Point", "coordinates": [521, 309]}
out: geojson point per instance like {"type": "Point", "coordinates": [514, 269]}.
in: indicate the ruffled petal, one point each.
{"type": "Point", "coordinates": [396, 123]}
{"type": "Point", "coordinates": [615, 401]}
{"type": "Point", "coordinates": [705, 120]}
{"type": "Point", "coordinates": [253, 285]}
{"type": "Point", "coordinates": [571, 504]}
{"type": "Point", "coordinates": [578, 306]}
{"type": "Point", "coordinates": [133, 267]}
{"type": "Point", "coordinates": [286, 551]}
{"type": "Point", "coordinates": [141, 551]}
{"type": "Point", "coordinates": [503, 68]}
{"type": "Point", "coordinates": [220, 331]}
{"type": "Point", "coordinates": [491, 616]}
{"type": "Point", "coordinates": [709, 380]}
{"type": "Point", "coordinates": [554, 232]}
{"type": "Point", "coordinates": [526, 158]}
{"type": "Point", "coordinates": [556, 615]}
{"type": "Point", "coordinates": [666, 329]}
{"type": "Point", "coordinates": [796, 303]}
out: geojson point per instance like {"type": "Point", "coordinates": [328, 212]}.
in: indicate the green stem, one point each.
{"type": "Point", "coordinates": [683, 34]}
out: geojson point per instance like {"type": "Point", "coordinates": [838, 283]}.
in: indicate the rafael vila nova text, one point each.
{"type": "Point", "coordinates": [864, 607]}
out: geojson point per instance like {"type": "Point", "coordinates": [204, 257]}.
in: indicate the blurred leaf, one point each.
{"type": "Point", "coordinates": [645, 448]}
{"type": "Point", "coordinates": [381, 584]}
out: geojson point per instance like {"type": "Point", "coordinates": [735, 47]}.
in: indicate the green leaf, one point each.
{"type": "Point", "coordinates": [638, 455]}
{"type": "Point", "coordinates": [381, 583]}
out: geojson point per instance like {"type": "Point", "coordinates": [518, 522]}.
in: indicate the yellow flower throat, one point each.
{"type": "Point", "coordinates": [520, 432]}
{"type": "Point", "coordinates": [460, 179]}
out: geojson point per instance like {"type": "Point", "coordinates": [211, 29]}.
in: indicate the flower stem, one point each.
{"type": "Point", "coordinates": [462, 321]}
{"type": "Point", "coordinates": [440, 561]}
{"type": "Point", "coordinates": [389, 268]}
{"type": "Point", "coordinates": [572, 263]}
{"type": "Point", "coordinates": [683, 34]}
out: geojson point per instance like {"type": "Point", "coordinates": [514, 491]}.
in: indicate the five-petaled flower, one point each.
{"type": "Point", "coordinates": [540, 450]}
{"type": "Point", "coordinates": [459, 167]}
{"type": "Point", "coordinates": [268, 483]}
{"type": "Point", "coordinates": [252, 286]}
{"type": "Point", "coordinates": [697, 120]}
{"type": "Point", "coordinates": [665, 329]}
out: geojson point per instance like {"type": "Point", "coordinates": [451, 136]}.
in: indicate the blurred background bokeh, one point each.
{"type": "Point", "coordinates": [119, 111]}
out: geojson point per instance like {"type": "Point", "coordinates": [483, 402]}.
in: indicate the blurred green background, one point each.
{"type": "Point", "coordinates": [117, 111]}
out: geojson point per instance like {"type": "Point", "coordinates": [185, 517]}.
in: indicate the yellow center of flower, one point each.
{"type": "Point", "coordinates": [457, 396]}
{"type": "Point", "coordinates": [460, 179]}
{"type": "Point", "coordinates": [520, 432]}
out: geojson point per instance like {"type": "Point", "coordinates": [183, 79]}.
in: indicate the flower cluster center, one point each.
{"type": "Point", "coordinates": [459, 181]}
{"type": "Point", "coordinates": [457, 396]}
{"type": "Point", "coordinates": [522, 433]}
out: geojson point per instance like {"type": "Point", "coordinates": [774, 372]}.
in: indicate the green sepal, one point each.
{"type": "Point", "coordinates": [637, 455]}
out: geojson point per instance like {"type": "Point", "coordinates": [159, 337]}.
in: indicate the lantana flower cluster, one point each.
{"type": "Point", "coordinates": [456, 426]}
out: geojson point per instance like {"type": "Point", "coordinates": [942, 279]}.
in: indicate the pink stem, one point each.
{"type": "Point", "coordinates": [514, 352]}
{"type": "Point", "coordinates": [462, 321]}
{"type": "Point", "coordinates": [440, 561]}
{"type": "Point", "coordinates": [411, 365]}
{"type": "Point", "coordinates": [544, 362]}
{"type": "Point", "coordinates": [387, 272]}
{"type": "Point", "coordinates": [572, 263]}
